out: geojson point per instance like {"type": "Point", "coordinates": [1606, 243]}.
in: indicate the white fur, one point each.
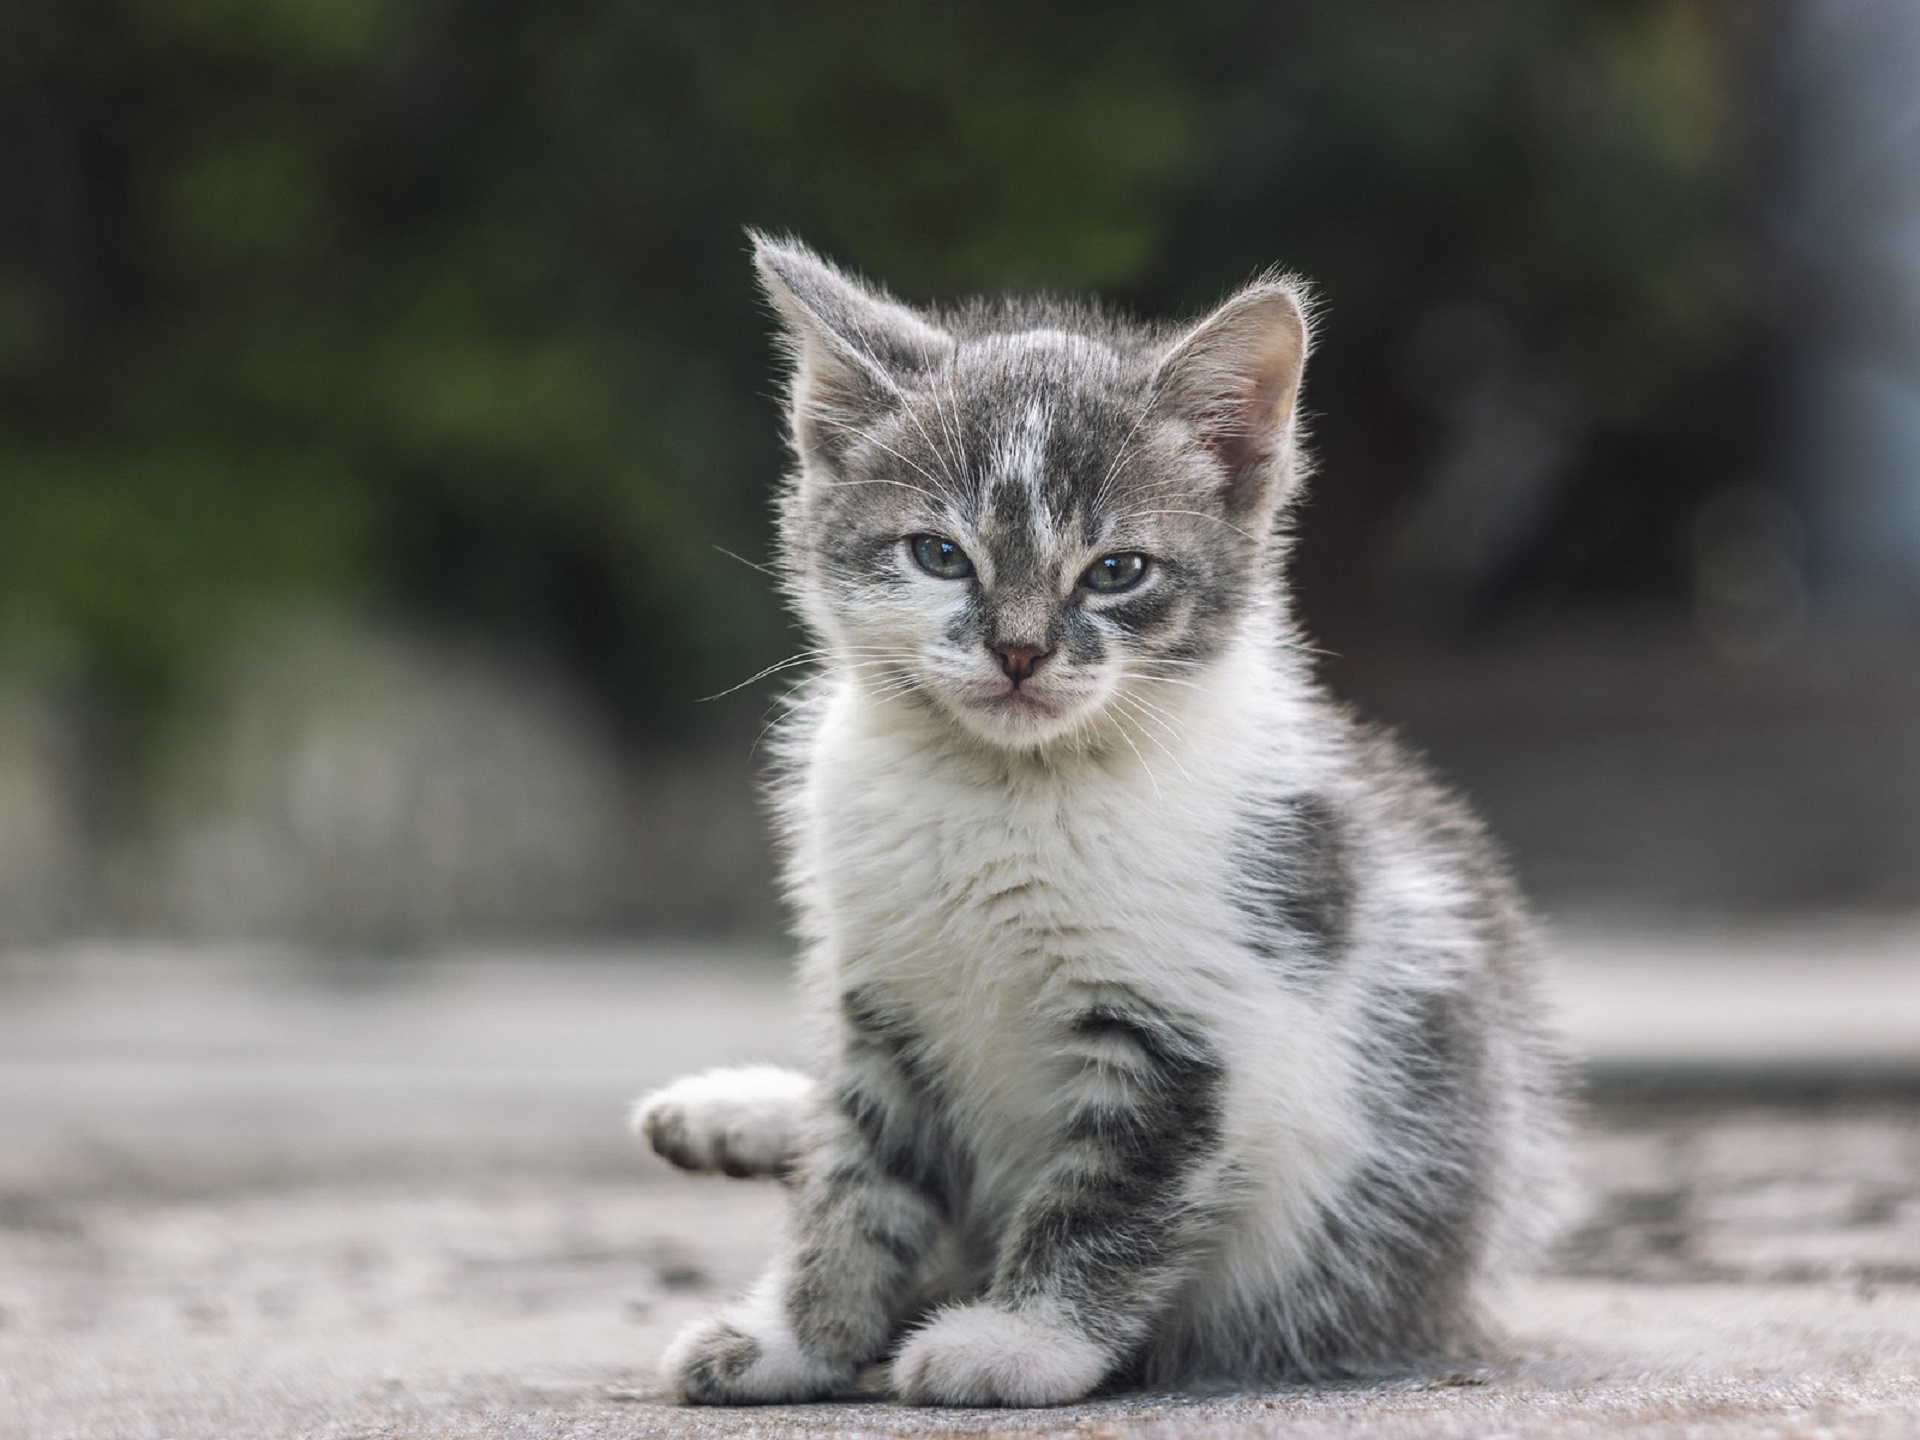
{"type": "Point", "coordinates": [1023, 458]}
{"type": "Point", "coordinates": [985, 1355]}
{"type": "Point", "coordinates": [781, 1370]}
{"type": "Point", "coordinates": [746, 1120]}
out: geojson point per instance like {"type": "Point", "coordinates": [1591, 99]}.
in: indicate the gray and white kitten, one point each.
{"type": "Point", "coordinates": [1174, 1029]}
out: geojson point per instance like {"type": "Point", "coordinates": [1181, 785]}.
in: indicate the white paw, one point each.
{"type": "Point", "coordinates": [747, 1355]}
{"type": "Point", "coordinates": [983, 1355]}
{"type": "Point", "coordinates": [735, 1122]}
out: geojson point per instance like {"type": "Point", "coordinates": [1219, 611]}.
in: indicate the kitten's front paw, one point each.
{"type": "Point", "coordinates": [717, 1362]}
{"type": "Point", "coordinates": [984, 1355]}
{"type": "Point", "coordinates": [743, 1122]}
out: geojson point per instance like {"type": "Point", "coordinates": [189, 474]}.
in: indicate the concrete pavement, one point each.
{"type": "Point", "coordinates": [256, 1194]}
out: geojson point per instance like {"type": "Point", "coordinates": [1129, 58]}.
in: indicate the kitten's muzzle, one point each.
{"type": "Point", "coordinates": [1018, 662]}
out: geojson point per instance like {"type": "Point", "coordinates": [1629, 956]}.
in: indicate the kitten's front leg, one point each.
{"type": "Point", "coordinates": [1106, 1234]}
{"type": "Point", "coordinates": [868, 1208]}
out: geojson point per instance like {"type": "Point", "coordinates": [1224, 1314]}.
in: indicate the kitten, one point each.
{"type": "Point", "coordinates": [1175, 1030]}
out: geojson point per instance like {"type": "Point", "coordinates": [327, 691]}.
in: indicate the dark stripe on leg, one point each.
{"type": "Point", "coordinates": [1106, 1231]}
{"type": "Point", "coordinates": [876, 1191]}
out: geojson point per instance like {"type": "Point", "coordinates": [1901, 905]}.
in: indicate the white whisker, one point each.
{"type": "Point", "coordinates": [904, 459]}
{"type": "Point", "coordinates": [1120, 455]}
{"type": "Point", "coordinates": [938, 500]}
{"type": "Point", "coordinates": [751, 565]}
{"type": "Point", "coordinates": [1128, 703]}
{"type": "Point", "coordinates": [1152, 779]}
{"type": "Point", "coordinates": [1201, 515]}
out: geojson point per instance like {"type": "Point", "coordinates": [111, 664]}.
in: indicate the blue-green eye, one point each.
{"type": "Point", "coordinates": [938, 555]}
{"type": "Point", "coordinates": [1111, 573]}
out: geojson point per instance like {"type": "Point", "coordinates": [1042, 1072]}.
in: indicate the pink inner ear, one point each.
{"type": "Point", "coordinates": [1245, 434]}
{"type": "Point", "coordinates": [832, 398]}
{"type": "Point", "coordinates": [1235, 377]}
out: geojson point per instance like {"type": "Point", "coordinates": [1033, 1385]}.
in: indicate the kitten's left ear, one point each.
{"type": "Point", "coordinates": [1235, 378]}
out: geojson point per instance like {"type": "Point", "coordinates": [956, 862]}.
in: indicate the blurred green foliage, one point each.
{"type": "Point", "coordinates": [443, 307]}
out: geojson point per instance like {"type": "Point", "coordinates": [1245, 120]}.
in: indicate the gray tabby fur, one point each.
{"type": "Point", "coordinates": [1174, 1028]}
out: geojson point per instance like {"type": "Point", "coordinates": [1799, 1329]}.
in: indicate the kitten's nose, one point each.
{"type": "Point", "coordinates": [1020, 661]}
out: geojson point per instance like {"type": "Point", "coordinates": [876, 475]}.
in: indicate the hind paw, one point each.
{"type": "Point", "coordinates": [744, 1122]}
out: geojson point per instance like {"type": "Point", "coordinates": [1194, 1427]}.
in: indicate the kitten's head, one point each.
{"type": "Point", "coordinates": [1024, 516]}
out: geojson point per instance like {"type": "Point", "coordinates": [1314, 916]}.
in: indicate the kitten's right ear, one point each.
{"type": "Point", "coordinates": [855, 350]}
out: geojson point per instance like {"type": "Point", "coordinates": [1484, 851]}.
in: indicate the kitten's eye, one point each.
{"type": "Point", "coordinates": [1111, 573]}
{"type": "Point", "coordinates": [939, 556]}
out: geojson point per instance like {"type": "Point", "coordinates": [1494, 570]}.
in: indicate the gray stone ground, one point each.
{"type": "Point", "coordinates": [249, 1194]}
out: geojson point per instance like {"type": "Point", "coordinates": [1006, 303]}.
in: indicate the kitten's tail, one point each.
{"type": "Point", "coordinates": [746, 1122]}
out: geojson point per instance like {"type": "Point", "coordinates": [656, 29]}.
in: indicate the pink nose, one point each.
{"type": "Point", "coordinates": [1020, 661]}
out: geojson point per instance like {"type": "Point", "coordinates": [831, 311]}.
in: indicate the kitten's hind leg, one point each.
{"type": "Point", "coordinates": [745, 1122]}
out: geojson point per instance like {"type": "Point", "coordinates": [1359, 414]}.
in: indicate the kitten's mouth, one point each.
{"type": "Point", "coordinates": [998, 708]}
{"type": "Point", "coordinates": [1019, 698]}
{"type": "Point", "coordinates": [1020, 709]}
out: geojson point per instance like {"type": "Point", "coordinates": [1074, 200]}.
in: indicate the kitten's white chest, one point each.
{"type": "Point", "coordinates": [940, 878]}
{"type": "Point", "coordinates": [965, 905]}
{"type": "Point", "coordinates": [980, 902]}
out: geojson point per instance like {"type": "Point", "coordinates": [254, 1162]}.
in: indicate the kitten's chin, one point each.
{"type": "Point", "coordinates": [1022, 719]}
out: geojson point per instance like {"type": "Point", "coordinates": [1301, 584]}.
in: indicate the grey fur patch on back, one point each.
{"type": "Point", "coordinates": [1294, 880]}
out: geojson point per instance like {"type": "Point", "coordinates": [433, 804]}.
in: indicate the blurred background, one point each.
{"type": "Point", "coordinates": [387, 421]}
{"type": "Point", "coordinates": [387, 426]}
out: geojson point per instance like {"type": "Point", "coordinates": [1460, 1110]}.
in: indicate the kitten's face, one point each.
{"type": "Point", "coordinates": [1015, 541]}
{"type": "Point", "coordinates": [1018, 526]}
